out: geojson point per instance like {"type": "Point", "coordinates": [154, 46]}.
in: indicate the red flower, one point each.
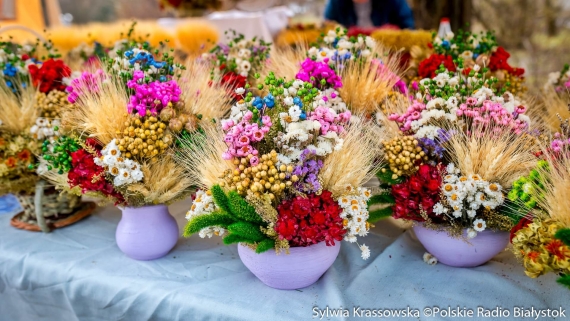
{"type": "Point", "coordinates": [310, 220]}
{"type": "Point", "coordinates": [50, 75]}
{"type": "Point", "coordinates": [498, 61]}
{"type": "Point", "coordinates": [524, 222]}
{"type": "Point", "coordinates": [25, 155]}
{"type": "Point", "coordinates": [420, 190]}
{"type": "Point", "coordinates": [233, 81]}
{"type": "Point", "coordinates": [90, 176]}
{"type": "Point", "coordinates": [428, 66]}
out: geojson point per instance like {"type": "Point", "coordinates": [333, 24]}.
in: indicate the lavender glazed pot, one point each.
{"type": "Point", "coordinates": [300, 268]}
{"type": "Point", "coordinates": [459, 253]}
{"type": "Point", "coordinates": [146, 233]}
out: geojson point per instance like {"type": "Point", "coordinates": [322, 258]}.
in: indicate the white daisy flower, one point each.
{"type": "Point", "coordinates": [471, 233]}
{"type": "Point", "coordinates": [365, 251]}
{"type": "Point", "coordinates": [438, 209]}
{"type": "Point", "coordinates": [429, 259]}
{"type": "Point", "coordinates": [240, 91]}
{"type": "Point", "coordinates": [471, 213]}
{"type": "Point", "coordinates": [479, 225]}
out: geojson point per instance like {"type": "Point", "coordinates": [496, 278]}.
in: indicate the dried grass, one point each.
{"type": "Point", "coordinates": [17, 111]}
{"type": "Point", "coordinates": [497, 157]}
{"type": "Point", "coordinates": [556, 192]}
{"type": "Point", "coordinates": [357, 162]}
{"type": "Point", "coordinates": [555, 108]}
{"type": "Point", "coordinates": [202, 158]}
{"type": "Point", "coordinates": [162, 183]}
{"type": "Point", "coordinates": [101, 114]}
{"type": "Point", "coordinates": [200, 98]}
{"type": "Point", "coordinates": [286, 62]}
{"type": "Point", "coordinates": [365, 86]}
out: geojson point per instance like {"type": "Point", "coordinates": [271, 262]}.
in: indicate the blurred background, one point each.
{"type": "Point", "coordinates": [533, 31]}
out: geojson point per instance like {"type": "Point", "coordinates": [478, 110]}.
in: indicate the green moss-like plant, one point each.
{"type": "Point", "coordinates": [564, 280]}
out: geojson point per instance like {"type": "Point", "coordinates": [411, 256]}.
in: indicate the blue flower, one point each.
{"type": "Point", "coordinates": [10, 70]}
{"type": "Point", "coordinates": [162, 78]}
{"type": "Point", "coordinates": [303, 116]}
{"type": "Point", "coordinates": [445, 44]}
{"type": "Point", "coordinates": [257, 102]}
{"type": "Point", "coordinates": [269, 101]}
{"type": "Point", "coordinates": [297, 101]}
{"type": "Point", "coordinates": [475, 55]}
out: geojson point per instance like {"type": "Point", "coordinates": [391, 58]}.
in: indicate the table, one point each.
{"type": "Point", "coordinates": [78, 273]}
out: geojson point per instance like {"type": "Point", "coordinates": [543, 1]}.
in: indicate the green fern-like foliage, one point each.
{"type": "Point", "coordinates": [265, 245]}
{"type": "Point", "coordinates": [563, 235]}
{"type": "Point", "coordinates": [247, 230]}
{"type": "Point", "coordinates": [220, 198]}
{"type": "Point", "coordinates": [376, 215]}
{"type": "Point", "coordinates": [387, 200]}
{"type": "Point", "coordinates": [564, 280]}
{"type": "Point", "coordinates": [235, 215]}
{"type": "Point", "coordinates": [242, 209]}
{"type": "Point", "coordinates": [218, 218]}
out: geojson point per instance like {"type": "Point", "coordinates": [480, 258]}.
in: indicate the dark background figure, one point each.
{"type": "Point", "coordinates": [370, 13]}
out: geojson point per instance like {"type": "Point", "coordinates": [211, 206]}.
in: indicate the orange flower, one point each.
{"type": "Point", "coordinates": [11, 162]}
{"type": "Point", "coordinates": [533, 255]}
{"type": "Point", "coordinates": [558, 249]}
{"type": "Point", "coordinates": [25, 155]}
{"type": "Point", "coordinates": [2, 141]}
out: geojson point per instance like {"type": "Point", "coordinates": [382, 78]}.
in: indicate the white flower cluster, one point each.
{"type": "Point", "coordinates": [355, 215]}
{"type": "Point", "coordinates": [465, 195]}
{"type": "Point", "coordinates": [300, 135]}
{"type": "Point", "coordinates": [204, 204]}
{"type": "Point", "coordinates": [239, 53]}
{"type": "Point", "coordinates": [344, 48]}
{"type": "Point", "coordinates": [125, 171]}
{"type": "Point", "coordinates": [330, 98]}
{"type": "Point", "coordinates": [44, 129]}
{"type": "Point", "coordinates": [355, 212]}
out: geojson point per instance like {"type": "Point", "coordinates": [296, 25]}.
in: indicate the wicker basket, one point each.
{"type": "Point", "coordinates": [48, 209]}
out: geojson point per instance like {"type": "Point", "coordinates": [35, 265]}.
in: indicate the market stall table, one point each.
{"type": "Point", "coordinates": [78, 273]}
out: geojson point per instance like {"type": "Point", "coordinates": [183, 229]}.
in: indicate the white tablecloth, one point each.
{"type": "Point", "coordinates": [78, 273]}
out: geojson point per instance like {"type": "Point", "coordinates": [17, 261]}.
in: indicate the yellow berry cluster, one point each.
{"type": "Point", "coordinates": [264, 178]}
{"type": "Point", "coordinates": [516, 84]}
{"type": "Point", "coordinates": [145, 137]}
{"type": "Point", "coordinates": [403, 155]}
{"type": "Point", "coordinates": [52, 104]}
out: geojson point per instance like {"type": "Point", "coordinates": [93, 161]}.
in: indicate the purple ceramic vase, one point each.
{"type": "Point", "coordinates": [300, 268]}
{"type": "Point", "coordinates": [458, 252]}
{"type": "Point", "coordinates": [146, 233]}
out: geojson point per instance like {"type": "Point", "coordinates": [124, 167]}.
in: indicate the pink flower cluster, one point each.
{"type": "Point", "coordinates": [315, 72]}
{"type": "Point", "coordinates": [241, 136]}
{"type": "Point", "coordinates": [414, 112]}
{"type": "Point", "coordinates": [87, 82]}
{"type": "Point", "coordinates": [329, 120]}
{"type": "Point", "coordinates": [559, 143]}
{"type": "Point", "coordinates": [399, 85]}
{"type": "Point", "coordinates": [152, 97]}
{"type": "Point", "coordinates": [493, 112]}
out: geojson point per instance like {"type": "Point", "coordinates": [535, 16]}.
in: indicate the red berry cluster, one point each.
{"type": "Point", "coordinates": [498, 61]}
{"type": "Point", "coordinates": [428, 67]}
{"type": "Point", "coordinates": [50, 75]}
{"type": "Point", "coordinates": [307, 221]}
{"type": "Point", "coordinates": [421, 189]}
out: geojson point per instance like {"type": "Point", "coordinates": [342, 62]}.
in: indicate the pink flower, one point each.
{"type": "Point", "coordinates": [254, 161]}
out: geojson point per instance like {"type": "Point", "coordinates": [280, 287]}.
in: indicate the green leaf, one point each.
{"type": "Point", "coordinates": [241, 209]}
{"type": "Point", "coordinates": [564, 280]}
{"type": "Point", "coordinates": [247, 230]}
{"type": "Point", "coordinates": [208, 220]}
{"type": "Point", "coordinates": [563, 235]}
{"type": "Point", "coordinates": [265, 245]}
{"type": "Point", "coordinates": [234, 238]}
{"type": "Point", "coordinates": [384, 198]}
{"type": "Point", "coordinates": [377, 215]}
{"type": "Point", "coordinates": [220, 198]}
{"type": "Point", "coordinates": [386, 177]}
